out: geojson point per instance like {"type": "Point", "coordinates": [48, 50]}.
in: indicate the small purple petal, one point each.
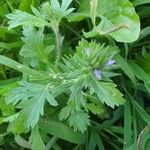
{"type": "Point", "coordinates": [97, 74]}
{"type": "Point", "coordinates": [87, 51]}
{"type": "Point", "coordinates": [110, 62]}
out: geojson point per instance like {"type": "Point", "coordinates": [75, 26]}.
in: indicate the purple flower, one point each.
{"type": "Point", "coordinates": [97, 74]}
{"type": "Point", "coordinates": [110, 62]}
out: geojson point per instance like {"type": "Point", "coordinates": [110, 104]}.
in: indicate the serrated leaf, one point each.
{"type": "Point", "coordinates": [79, 120]}
{"type": "Point", "coordinates": [17, 123]}
{"type": "Point", "coordinates": [77, 94]}
{"type": "Point", "coordinates": [34, 47]}
{"type": "Point", "coordinates": [24, 19]}
{"type": "Point", "coordinates": [54, 11]}
{"type": "Point", "coordinates": [66, 111]}
{"type": "Point", "coordinates": [95, 109]}
{"type": "Point", "coordinates": [30, 98]}
{"type": "Point", "coordinates": [107, 93]}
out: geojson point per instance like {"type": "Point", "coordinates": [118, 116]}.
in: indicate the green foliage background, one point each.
{"type": "Point", "coordinates": [74, 74]}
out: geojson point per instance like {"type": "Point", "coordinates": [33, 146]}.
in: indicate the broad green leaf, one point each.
{"type": "Point", "coordinates": [36, 140]}
{"type": "Point", "coordinates": [62, 131]}
{"type": "Point", "coordinates": [118, 19]}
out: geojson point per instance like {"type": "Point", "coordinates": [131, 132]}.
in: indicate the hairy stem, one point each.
{"type": "Point", "coordinates": [58, 45]}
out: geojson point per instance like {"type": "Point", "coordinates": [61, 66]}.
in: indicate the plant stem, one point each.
{"type": "Point", "coordinates": [58, 45]}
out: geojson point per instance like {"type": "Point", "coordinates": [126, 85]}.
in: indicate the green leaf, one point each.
{"type": "Point", "coordinates": [7, 110]}
{"type": "Point", "coordinates": [76, 117]}
{"type": "Point", "coordinates": [95, 109]}
{"type": "Point", "coordinates": [139, 2]}
{"type": "Point", "coordinates": [107, 93]}
{"type": "Point", "coordinates": [93, 10]}
{"type": "Point", "coordinates": [62, 131]}
{"type": "Point", "coordinates": [117, 114]}
{"type": "Point", "coordinates": [127, 123]}
{"type": "Point", "coordinates": [54, 12]}
{"type": "Point", "coordinates": [66, 111]}
{"type": "Point", "coordinates": [19, 67]}
{"type": "Point", "coordinates": [77, 94]}
{"type": "Point", "coordinates": [118, 19]}
{"type": "Point", "coordinates": [30, 98]}
{"type": "Point", "coordinates": [141, 112]}
{"type": "Point", "coordinates": [81, 68]}
{"type": "Point", "coordinates": [17, 123]}
{"type": "Point", "coordinates": [21, 142]}
{"type": "Point", "coordinates": [36, 140]}
{"type": "Point", "coordinates": [144, 32]}
{"type": "Point", "coordinates": [25, 19]}
{"type": "Point", "coordinates": [142, 75]}
{"type": "Point", "coordinates": [94, 141]}
{"type": "Point", "coordinates": [126, 68]}
{"type": "Point", "coordinates": [25, 5]}
{"type": "Point", "coordinates": [4, 45]}
{"type": "Point", "coordinates": [34, 47]}
{"type": "Point", "coordinates": [79, 120]}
